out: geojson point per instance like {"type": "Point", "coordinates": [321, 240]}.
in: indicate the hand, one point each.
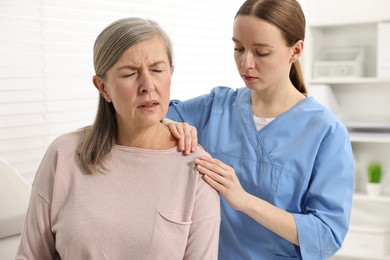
{"type": "Point", "coordinates": [223, 179]}
{"type": "Point", "coordinates": [186, 134]}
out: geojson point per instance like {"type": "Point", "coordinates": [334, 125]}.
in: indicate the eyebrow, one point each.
{"type": "Point", "coordinates": [127, 66]}
{"type": "Point", "coordinates": [256, 44]}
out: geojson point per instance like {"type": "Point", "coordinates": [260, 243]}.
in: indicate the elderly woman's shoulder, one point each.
{"type": "Point", "coordinates": [70, 140]}
{"type": "Point", "coordinates": [200, 151]}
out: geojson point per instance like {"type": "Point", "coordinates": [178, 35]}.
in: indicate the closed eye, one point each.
{"type": "Point", "coordinates": [265, 54]}
{"type": "Point", "coordinates": [128, 75]}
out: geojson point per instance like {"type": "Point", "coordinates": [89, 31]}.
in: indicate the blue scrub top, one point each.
{"type": "Point", "coordinates": [301, 162]}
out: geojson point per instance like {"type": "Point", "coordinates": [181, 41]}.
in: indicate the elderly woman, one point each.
{"type": "Point", "coordinates": [120, 188]}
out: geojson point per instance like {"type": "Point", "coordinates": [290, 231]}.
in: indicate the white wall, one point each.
{"type": "Point", "coordinates": [332, 12]}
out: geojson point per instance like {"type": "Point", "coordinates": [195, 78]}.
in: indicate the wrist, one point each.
{"type": "Point", "coordinates": [247, 201]}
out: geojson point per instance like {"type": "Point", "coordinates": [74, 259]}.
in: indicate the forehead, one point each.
{"type": "Point", "coordinates": [248, 28]}
{"type": "Point", "coordinates": [149, 50]}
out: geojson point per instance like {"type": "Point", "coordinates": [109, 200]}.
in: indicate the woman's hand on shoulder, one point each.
{"type": "Point", "coordinates": [185, 133]}
{"type": "Point", "coordinates": [222, 178]}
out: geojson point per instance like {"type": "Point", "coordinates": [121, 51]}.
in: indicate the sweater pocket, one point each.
{"type": "Point", "coordinates": [170, 235]}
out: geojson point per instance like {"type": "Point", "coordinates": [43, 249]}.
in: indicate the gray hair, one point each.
{"type": "Point", "coordinates": [120, 35]}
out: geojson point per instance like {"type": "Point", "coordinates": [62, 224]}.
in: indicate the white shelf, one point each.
{"type": "Point", "coordinates": [364, 137]}
{"type": "Point", "coordinates": [356, 257]}
{"type": "Point", "coordinates": [365, 241]}
{"type": "Point", "coordinates": [364, 197]}
{"type": "Point", "coordinates": [351, 81]}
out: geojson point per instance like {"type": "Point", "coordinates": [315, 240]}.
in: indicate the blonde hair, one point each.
{"type": "Point", "coordinates": [288, 16]}
{"type": "Point", "coordinates": [110, 44]}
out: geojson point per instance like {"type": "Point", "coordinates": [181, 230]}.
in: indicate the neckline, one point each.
{"type": "Point", "coordinates": [138, 149]}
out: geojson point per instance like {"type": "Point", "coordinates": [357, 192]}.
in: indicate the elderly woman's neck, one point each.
{"type": "Point", "coordinates": [156, 137]}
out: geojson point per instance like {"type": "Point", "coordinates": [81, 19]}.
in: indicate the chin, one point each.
{"type": "Point", "coordinates": [254, 86]}
{"type": "Point", "coordinates": [152, 121]}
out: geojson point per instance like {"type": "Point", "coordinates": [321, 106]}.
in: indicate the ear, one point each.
{"type": "Point", "coordinates": [297, 50]}
{"type": "Point", "coordinates": [101, 86]}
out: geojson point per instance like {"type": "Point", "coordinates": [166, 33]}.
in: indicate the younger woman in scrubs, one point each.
{"type": "Point", "coordinates": [282, 162]}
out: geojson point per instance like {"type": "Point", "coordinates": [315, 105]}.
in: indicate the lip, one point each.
{"type": "Point", "coordinates": [148, 104]}
{"type": "Point", "coordinates": [248, 77]}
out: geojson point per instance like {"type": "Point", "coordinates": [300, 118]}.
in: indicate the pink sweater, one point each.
{"type": "Point", "coordinates": [148, 205]}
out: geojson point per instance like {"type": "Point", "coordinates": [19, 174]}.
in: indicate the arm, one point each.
{"type": "Point", "coordinates": [204, 230]}
{"type": "Point", "coordinates": [328, 201]}
{"type": "Point", "coordinates": [37, 241]}
{"type": "Point", "coordinates": [319, 229]}
{"type": "Point", "coordinates": [223, 178]}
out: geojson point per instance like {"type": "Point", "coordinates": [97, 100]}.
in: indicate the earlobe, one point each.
{"type": "Point", "coordinates": [101, 86]}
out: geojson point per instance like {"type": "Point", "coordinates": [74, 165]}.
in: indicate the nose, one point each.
{"type": "Point", "coordinates": [247, 61]}
{"type": "Point", "coordinates": [146, 84]}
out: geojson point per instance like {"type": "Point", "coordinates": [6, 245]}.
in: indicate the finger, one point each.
{"type": "Point", "coordinates": [216, 176]}
{"type": "Point", "coordinates": [207, 160]}
{"type": "Point", "coordinates": [174, 131]}
{"type": "Point", "coordinates": [194, 138]}
{"type": "Point", "coordinates": [207, 163]}
{"type": "Point", "coordinates": [187, 138]}
{"type": "Point", "coordinates": [182, 137]}
{"type": "Point", "coordinates": [177, 132]}
{"type": "Point", "coordinates": [215, 185]}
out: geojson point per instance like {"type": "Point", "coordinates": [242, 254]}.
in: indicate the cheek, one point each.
{"type": "Point", "coordinates": [283, 63]}
{"type": "Point", "coordinates": [165, 89]}
{"type": "Point", "coordinates": [237, 59]}
{"type": "Point", "coordinates": [122, 94]}
{"type": "Point", "coordinates": [275, 63]}
{"type": "Point", "coordinates": [165, 81]}
{"type": "Point", "coordinates": [126, 85]}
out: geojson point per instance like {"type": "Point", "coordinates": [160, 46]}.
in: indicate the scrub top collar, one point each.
{"type": "Point", "coordinates": [247, 115]}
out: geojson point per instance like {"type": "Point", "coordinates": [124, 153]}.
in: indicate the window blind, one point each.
{"type": "Point", "coordinates": [46, 64]}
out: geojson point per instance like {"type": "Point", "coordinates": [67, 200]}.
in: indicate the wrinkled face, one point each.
{"type": "Point", "coordinates": [262, 57]}
{"type": "Point", "coordinates": [138, 84]}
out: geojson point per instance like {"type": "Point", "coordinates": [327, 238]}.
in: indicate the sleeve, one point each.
{"type": "Point", "coordinates": [204, 230]}
{"type": "Point", "coordinates": [327, 204]}
{"type": "Point", "coordinates": [37, 240]}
